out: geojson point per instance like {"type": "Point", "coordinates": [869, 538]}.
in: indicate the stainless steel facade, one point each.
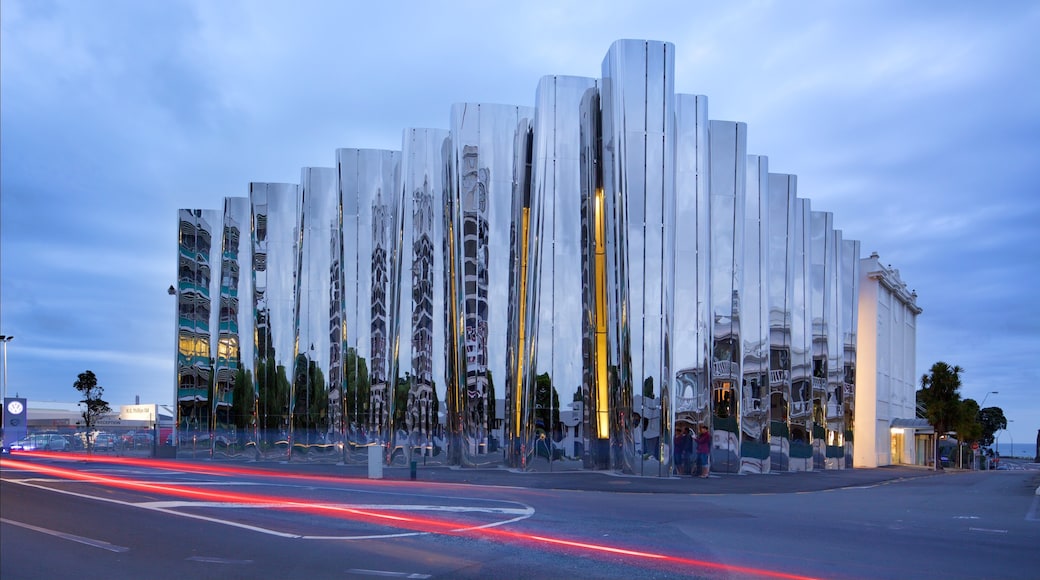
{"type": "Point", "coordinates": [570, 285]}
{"type": "Point", "coordinates": [727, 143]}
{"type": "Point", "coordinates": [368, 189]}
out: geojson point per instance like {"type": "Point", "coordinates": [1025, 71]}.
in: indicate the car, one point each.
{"type": "Point", "coordinates": [104, 442]}
{"type": "Point", "coordinates": [41, 442]}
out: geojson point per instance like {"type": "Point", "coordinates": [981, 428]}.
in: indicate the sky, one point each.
{"type": "Point", "coordinates": [916, 123]}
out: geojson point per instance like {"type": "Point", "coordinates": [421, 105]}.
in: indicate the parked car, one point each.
{"type": "Point", "coordinates": [104, 442]}
{"type": "Point", "coordinates": [41, 442]}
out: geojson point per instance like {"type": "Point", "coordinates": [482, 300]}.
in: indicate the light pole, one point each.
{"type": "Point", "coordinates": [978, 414]}
{"type": "Point", "coordinates": [5, 338]}
{"type": "Point", "coordinates": [1012, 437]}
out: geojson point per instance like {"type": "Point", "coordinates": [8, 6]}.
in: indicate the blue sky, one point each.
{"type": "Point", "coordinates": [917, 124]}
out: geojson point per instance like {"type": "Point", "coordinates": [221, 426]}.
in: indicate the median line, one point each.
{"type": "Point", "coordinates": [66, 536]}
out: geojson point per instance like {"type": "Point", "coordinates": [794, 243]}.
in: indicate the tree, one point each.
{"type": "Point", "coordinates": [941, 399]}
{"type": "Point", "coordinates": [992, 420]}
{"type": "Point", "coordinates": [94, 406]}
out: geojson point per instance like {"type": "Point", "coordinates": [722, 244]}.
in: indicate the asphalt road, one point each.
{"type": "Point", "coordinates": [144, 521]}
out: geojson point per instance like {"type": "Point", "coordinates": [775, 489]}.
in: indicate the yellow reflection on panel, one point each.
{"type": "Point", "coordinates": [600, 275]}
{"type": "Point", "coordinates": [520, 351]}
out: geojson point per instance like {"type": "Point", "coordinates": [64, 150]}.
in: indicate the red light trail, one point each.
{"type": "Point", "coordinates": [412, 523]}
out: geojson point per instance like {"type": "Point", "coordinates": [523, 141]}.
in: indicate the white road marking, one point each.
{"type": "Point", "coordinates": [214, 560]}
{"type": "Point", "coordinates": [1033, 515]}
{"type": "Point", "coordinates": [170, 507]}
{"type": "Point", "coordinates": [965, 517]}
{"type": "Point", "coordinates": [66, 536]}
{"type": "Point", "coordinates": [386, 574]}
{"type": "Point", "coordinates": [987, 530]}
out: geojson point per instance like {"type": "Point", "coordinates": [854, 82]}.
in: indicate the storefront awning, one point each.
{"type": "Point", "coordinates": [920, 425]}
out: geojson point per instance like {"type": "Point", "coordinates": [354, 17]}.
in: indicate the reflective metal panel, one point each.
{"type": "Point", "coordinates": [420, 360]}
{"type": "Point", "coordinates": [820, 294]}
{"type": "Point", "coordinates": [781, 268]}
{"type": "Point", "coordinates": [318, 354]}
{"type": "Point", "coordinates": [552, 384]}
{"type": "Point", "coordinates": [638, 115]}
{"type": "Point", "coordinates": [234, 392]}
{"type": "Point", "coordinates": [368, 187]}
{"type": "Point", "coordinates": [801, 411]}
{"type": "Point", "coordinates": [728, 173]}
{"type": "Point", "coordinates": [482, 172]}
{"type": "Point", "coordinates": [198, 301]}
{"type": "Point", "coordinates": [849, 281]}
{"type": "Point", "coordinates": [274, 234]}
{"type": "Point", "coordinates": [754, 323]}
{"type": "Point", "coordinates": [834, 406]}
{"type": "Point", "coordinates": [692, 345]}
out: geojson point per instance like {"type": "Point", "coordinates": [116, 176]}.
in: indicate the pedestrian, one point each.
{"type": "Point", "coordinates": [703, 449]}
{"type": "Point", "coordinates": [678, 444]}
{"type": "Point", "coordinates": [688, 451]}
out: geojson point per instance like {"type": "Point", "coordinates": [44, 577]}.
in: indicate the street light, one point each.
{"type": "Point", "coordinates": [5, 338]}
{"type": "Point", "coordinates": [983, 405]}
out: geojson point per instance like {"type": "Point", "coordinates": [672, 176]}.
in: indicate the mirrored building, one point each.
{"type": "Point", "coordinates": [568, 285]}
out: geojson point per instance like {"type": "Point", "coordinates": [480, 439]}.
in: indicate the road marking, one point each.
{"type": "Point", "coordinates": [171, 507]}
{"type": "Point", "coordinates": [1034, 512]}
{"type": "Point", "coordinates": [987, 530]}
{"type": "Point", "coordinates": [965, 517]}
{"type": "Point", "coordinates": [71, 537]}
{"type": "Point", "coordinates": [387, 574]}
{"type": "Point", "coordinates": [213, 560]}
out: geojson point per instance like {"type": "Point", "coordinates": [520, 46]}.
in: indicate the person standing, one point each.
{"type": "Point", "coordinates": [703, 442]}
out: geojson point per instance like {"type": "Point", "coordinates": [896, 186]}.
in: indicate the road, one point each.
{"type": "Point", "coordinates": [65, 517]}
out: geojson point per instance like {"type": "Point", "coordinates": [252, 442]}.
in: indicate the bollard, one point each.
{"type": "Point", "coordinates": [375, 462]}
{"type": "Point", "coordinates": [413, 467]}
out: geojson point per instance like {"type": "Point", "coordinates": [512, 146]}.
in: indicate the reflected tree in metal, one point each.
{"type": "Point", "coordinates": [317, 376]}
{"type": "Point", "coordinates": [727, 142]}
{"type": "Point", "coordinates": [234, 392]}
{"type": "Point", "coordinates": [754, 323]}
{"type": "Point", "coordinates": [274, 254]}
{"type": "Point", "coordinates": [781, 273]}
{"type": "Point", "coordinates": [420, 359]}
{"type": "Point", "coordinates": [483, 140]}
{"type": "Point", "coordinates": [198, 298]}
{"type": "Point", "coordinates": [638, 140]}
{"type": "Point", "coordinates": [849, 280]}
{"type": "Point", "coordinates": [368, 189]}
{"type": "Point", "coordinates": [551, 381]}
{"type": "Point", "coordinates": [692, 344]}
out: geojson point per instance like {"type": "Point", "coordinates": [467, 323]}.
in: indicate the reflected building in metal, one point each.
{"type": "Point", "coordinates": [570, 285]}
{"type": "Point", "coordinates": [274, 208]}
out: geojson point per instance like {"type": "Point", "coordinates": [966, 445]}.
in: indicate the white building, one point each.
{"type": "Point", "coordinates": [887, 430]}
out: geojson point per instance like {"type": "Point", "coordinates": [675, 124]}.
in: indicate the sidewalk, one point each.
{"type": "Point", "coordinates": [609, 481]}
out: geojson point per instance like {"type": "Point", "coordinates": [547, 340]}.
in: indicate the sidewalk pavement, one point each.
{"type": "Point", "coordinates": [609, 481]}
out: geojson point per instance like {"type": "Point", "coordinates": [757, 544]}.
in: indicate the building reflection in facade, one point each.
{"type": "Point", "coordinates": [754, 324]}
{"type": "Point", "coordinates": [198, 292]}
{"type": "Point", "coordinates": [781, 292]}
{"type": "Point", "coordinates": [317, 368]}
{"type": "Point", "coordinates": [234, 394]}
{"type": "Point", "coordinates": [274, 258]}
{"type": "Point", "coordinates": [728, 173]}
{"type": "Point", "coordinates": [551, 392]}
{"type": "Point", "coordinates": [504, 292]}
{"type": "Point", "coordinates": [637, 105]}
{"type": "Point", "coordinates": [368, 188]}
{"type": "Point", "coordinates": [693, 336]}
{"type": "Point", "coordinates": [483, 159]}
{"type": "Point", "coordinates": [848, 272]}
{"type": "Point", "coordinates": [421, 312]}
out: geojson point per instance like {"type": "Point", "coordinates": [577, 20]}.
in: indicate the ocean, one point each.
{"type": "Point", "coordinates": [1023, 450]}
